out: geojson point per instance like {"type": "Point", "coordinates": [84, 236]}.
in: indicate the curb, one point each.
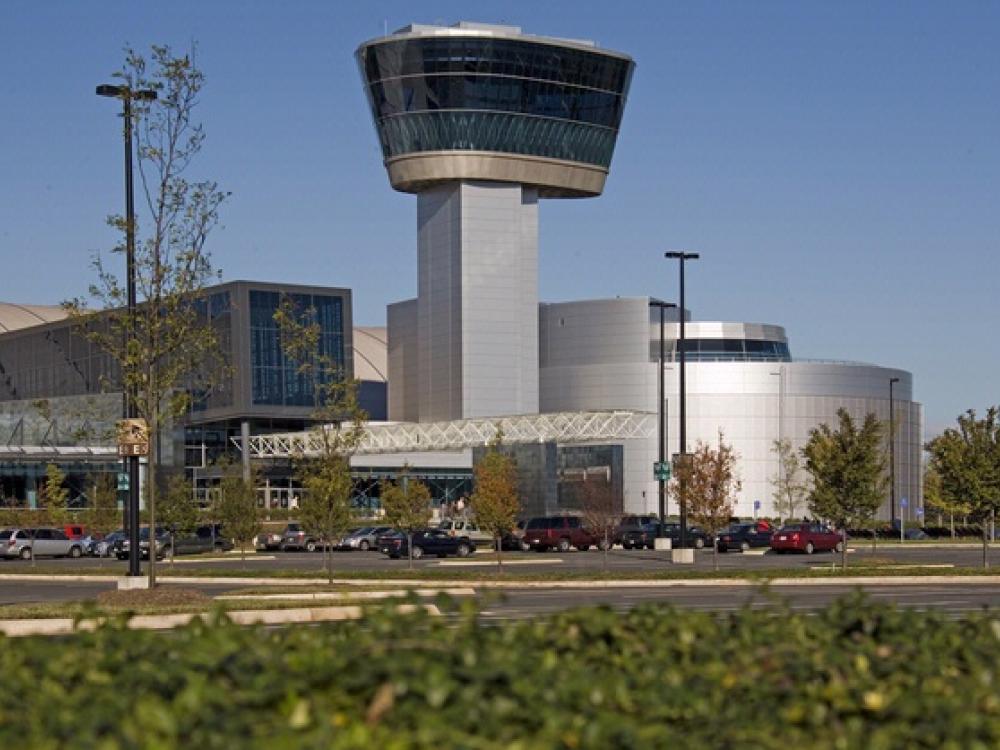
{"type": "Point", "coordinates": [352, 595]}
{"type": "Point", "coordinates": [66, 626]}
{"type": "Point", "coordinates": [983, 580]}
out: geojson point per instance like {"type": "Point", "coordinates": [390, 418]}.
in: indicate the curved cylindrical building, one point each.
{"type": "Point", "coordinates": [481, 121]}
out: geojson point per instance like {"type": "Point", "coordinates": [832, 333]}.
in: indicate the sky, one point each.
{"type": "Point", "coordinates": [836, 164]}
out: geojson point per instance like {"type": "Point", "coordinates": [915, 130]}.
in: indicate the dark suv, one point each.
{"type": "Point", "coordinates": [559, 532]}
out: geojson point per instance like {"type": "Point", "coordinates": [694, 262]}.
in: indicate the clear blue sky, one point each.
{"type": "Point", "coordinates": [837, 164]}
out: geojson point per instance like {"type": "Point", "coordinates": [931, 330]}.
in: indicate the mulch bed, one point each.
{"type": "Point", "coordinates": [162, 595]}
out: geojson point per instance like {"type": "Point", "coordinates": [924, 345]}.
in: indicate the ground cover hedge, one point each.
{"type": "Point", "coordinates": [855, 675]}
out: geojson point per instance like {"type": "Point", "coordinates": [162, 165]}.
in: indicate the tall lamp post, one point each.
{"type": "Point", "coordinates": [660, 418]}
{"type": "Point", "coordinates": [127, 95]}
{"type": "Point", "coordinates": [892, 457]}
{"type": "Point", "coordinates": [682, 256]}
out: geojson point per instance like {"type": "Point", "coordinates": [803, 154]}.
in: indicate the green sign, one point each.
{"type": "Point", "coordinates": [661, 471]}
{"type": "Point", "coordinates": [122, 481]}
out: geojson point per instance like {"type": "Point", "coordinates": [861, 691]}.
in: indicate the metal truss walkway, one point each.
{"type": "Point", "coordinates": [407, 437]}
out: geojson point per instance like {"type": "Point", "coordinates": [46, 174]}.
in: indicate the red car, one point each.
{"type": "Point", "coordinates": [559, 532]}
{"type": "Point", "coordinates": [808, 538]}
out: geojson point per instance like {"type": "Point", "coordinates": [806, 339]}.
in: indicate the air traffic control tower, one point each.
{"type": "Point", "coordinates": [480, 121]}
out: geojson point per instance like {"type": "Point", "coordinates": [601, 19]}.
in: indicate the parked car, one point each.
{"type": "Point", "coordinates": [107, 546]}
{"type": "Point", "coordinates": [75, 530]}
{"type": "Point", "coordinates": [559, 532]}
{"type": "Point", "coordinates": [696, 537]}
{"type": "Point", "coordinates": [744, 536]}
{"type": "Point", "coordinates": [806, 537]}
{"type": "Point", "coordinates": [637, 532]}
{"type": "Point", "coordinates": [41, 542]}
{"type": "Point", "coordinates": [295, 538]}
{"type": "Point", "coordinates": [465, 527]}
{"type": "Point", "coordinates": [269, 541]}
{"type": "Point", "coordinates": [427, 542]}
{"type": "Point", "coordinates": [90, 542]}
{"type": "Point", "coordinates": [205, 538]}
{"type": "Point", "coordinates": [513, 540]}
{"type": "Point", "coordinates": [363, 539]}
{"type": "Point", "coordinates": [161, 543]}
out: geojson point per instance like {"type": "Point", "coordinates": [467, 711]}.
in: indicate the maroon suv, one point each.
{"type": "Point", "coordinates": [806, 537]}
{"type": "Point", "coordinates": [559, 532]}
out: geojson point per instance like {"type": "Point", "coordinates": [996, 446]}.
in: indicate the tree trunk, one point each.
{"type": "Point", "coordinates": [151, 493]}
{"type": "Point", "coordinates": [843, 548]}
{"type": "Point", "coordinates": [952, 517]}
{"type": "Point", "coordinates": [986, 547]}
{"type": "Point", "coordinates": [329, 564]}
{"type": "Point", "coordinates": [607, 545]}
{"type": "Point", "coordinates": [715, 555]}
{"type": "Point", "coordinates": [243, 554]}
{"type": "Point", "coordinates": [497, 544]}
{"type": "Point", "coordinates": [409, 549]}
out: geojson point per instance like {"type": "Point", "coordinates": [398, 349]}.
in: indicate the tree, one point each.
{"type": "Point", "coordinates": [55, 496]}
{"type": "Point", "coordinates": [967, 459]}
{"type": "Point", "coordinates": [325, 474]}
{"type": "Point", "coordinates": [178, 510]}
{"type": "Point", "coordinates": [407, 506]}
{"type": "Point", "coordinates": [709, 482]}
{"type": "Point", "coordinates": [936, 501]}
{"type": "Point", "coordinates": [167, 352]}
{"type": "Point", "coordinates": [848, 470]}
{"type": "Point", "coordinates": [102, 514]}
{"type": "Point", "coordinates": [790, 486]}
{"type": "Point", "coordinates": [602, 511]}
{"type": "Point", "coordinates": [495, 499]}
{"type": "Point", "coordinates": [236, 507]}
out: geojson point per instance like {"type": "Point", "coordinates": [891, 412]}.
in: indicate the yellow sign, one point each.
{"type": "Point", "coordinates": [133, 437]}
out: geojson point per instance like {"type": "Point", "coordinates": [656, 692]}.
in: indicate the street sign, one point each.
{"type": "Point", "coordinates": [661, 471]}
{"type": "Point", "coordinates": [756, 504]}
{"type": "Point", "coordinates": [920, 511]}
{"type": "Point", "coordinates": [122, 481]}
{"type": "Point", "coordinates": [903, 502]}
{"type": "Point", "coordinates": [133, 437]}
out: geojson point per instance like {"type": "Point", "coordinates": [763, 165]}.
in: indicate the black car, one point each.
{"type": "Point", "coordinates": [744, 536]}
{"type": "Point", "coordinates": [637, 532]}
{"type": "Point", "coordinates": [426, 542]}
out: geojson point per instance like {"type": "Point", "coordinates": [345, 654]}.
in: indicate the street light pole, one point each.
{"type": "Point", "coordinates": [682, 256]}
{"type": "Point", "coordinates": [129, 395]}
{"type": "Point", "coordinates": [892, 459]}
{"type": "Point", "coordinates": [660, 412]}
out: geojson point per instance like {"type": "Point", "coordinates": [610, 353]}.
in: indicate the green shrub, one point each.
{"type": "Point", "coordinates": [855, 675]}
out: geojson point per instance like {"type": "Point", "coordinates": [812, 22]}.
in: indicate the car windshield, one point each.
{"type": "Point", "coordinates": [362, 531]}
{"type": "Point", "coordinates": [6, 532]}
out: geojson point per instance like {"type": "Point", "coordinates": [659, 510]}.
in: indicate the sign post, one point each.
{"type": "Point", "coordinates": [903, 502]}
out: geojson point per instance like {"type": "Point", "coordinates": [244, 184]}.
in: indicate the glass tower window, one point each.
{"type": "Point", "coordinates": [722, 350]}
{"type": "Point", "coordinates": [275, 379]}
{"type": "Point", "coordinates": [488, 94]}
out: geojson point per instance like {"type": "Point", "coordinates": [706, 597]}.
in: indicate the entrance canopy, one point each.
{"type": "Point", "coordinates": [407, 437]}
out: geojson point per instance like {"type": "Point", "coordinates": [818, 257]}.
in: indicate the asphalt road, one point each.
{"type": "Point", "coordinates": [524, 603]}
{"type": "Point", "coordinates": [618, 560]}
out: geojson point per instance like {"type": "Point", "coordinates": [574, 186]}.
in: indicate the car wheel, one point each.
{"type": "Point", "coordinates": [463, 550]}
{"type": "Point", "coordinates": [25, 553]}
{"type": "Point", "coordinates": [75, 552]}
{"type": "Point", "coordinates": [564, 545]}
{"type": "Point", "coordinates": [839, 547]}
{"type": "Point", "coordinates": [310, 546]}
{"type": "Point", "coordinates": [699, 543]}
{"type": "Point", "coordinates": [810, 548]}
{"type": "Point", "coordinates": [364, 546]}
{"type": "Point", "coordinates": [626, 546]}
{"type": "Point", "coordinates": [418, 552]}
{"type": "Point", "coordinates": [745, 547]}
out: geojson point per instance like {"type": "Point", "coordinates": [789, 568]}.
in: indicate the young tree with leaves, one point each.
{"type": "Point", "coordinates": [237, 508]}
{"type": "Point", "coordinates": [848, 470]}
{"type": "Point", "coordinates": [167, 350]}
{"type": "Point", "coordinates": [178, 510]}
{"type": "Point", "coordinates": [55, 496]}
{"type": "Point", "coordinates": [790, 486]}
{"type": "Point", "coordinates": [102, 514]}
{"type": "Point", "coordinates": [710, 485]}
{"type": "Point", "coordinates": [325, 473]}
{"type": "Point", "coordinates": [602, 512]}
{"type": "Point", "coordinates": [936, 500]}
{"type": "Point", "coordinates": [407, 506]}
{"type": "Point", "coordinates": [495, 499]}
{"type": "Point", "coordinates": [967, 460]}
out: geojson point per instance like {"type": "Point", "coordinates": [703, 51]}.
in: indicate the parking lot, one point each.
{"type": "Point", "coordinates": [618, 560]}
